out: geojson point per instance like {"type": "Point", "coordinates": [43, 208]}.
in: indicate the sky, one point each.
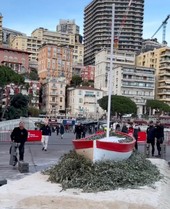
{"type": "Point", "coordinates": [27, 15]}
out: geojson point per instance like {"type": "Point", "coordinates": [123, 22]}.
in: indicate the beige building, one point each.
{"type": "Point", "coordinates": [82, 102]}
{"type": "Point", "coordinates": [29, 44]}
{"type": "Point", "coordinates": [1, 18]}
{"type": "Point", "coordinates": [68, 26]}
{"type": "Point", "coordinates": [55, 61]}
{"type": "Point", "coordinates": [160, 60]}
{"type": "Point", "coordinates": [53, 96]}
{"type": "Point", "coordinates": [42, 36]}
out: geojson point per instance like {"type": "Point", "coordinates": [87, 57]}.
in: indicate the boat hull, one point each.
{"type": "Point", "coordinates": [97, 150]}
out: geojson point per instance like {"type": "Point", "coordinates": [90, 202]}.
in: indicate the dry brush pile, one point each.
{"type": "Point", "coordinates": [74, 171]}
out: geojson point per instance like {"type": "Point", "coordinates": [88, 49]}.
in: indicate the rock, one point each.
{"type": "Point", "coordinates": [3, 181]}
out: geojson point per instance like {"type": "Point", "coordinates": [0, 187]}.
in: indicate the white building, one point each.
{"type": "Point", "coordinates": [102, 65]}
{"type": "Point", "coordinates": [53, 96]}
{"type": "Point", "coordinates": [129, 80]}
{"type": "Point", "coordinates": [82, 102]}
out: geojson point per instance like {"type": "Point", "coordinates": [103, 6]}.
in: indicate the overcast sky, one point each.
{"type": "Point", "coordinates": [26, 15]}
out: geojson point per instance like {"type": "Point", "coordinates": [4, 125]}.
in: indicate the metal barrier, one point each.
{"type": "Point", "coordinates": [5, 136]}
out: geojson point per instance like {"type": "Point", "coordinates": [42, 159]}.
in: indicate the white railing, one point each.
{"type": "Point", "coordinates": [11, 124]}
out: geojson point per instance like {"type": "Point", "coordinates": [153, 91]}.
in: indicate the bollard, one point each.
{"type": "Point", "coordinates": [147, 150]}
{"type": "Point", "coordinates": [23, 167]}
{"type": "Point", "coordinates": [163, 151]}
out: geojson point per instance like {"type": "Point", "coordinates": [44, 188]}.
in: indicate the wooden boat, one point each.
{"type": "Point", "coordinates": [118, 146]}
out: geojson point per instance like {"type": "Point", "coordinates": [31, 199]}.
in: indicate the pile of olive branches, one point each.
{"type": "Point", "coordinates": [74, 171]}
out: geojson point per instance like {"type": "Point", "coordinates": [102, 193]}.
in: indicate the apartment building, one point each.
{"type": "Point", "coordinates": [97, 26]}
{"type": "Point", "coordinates": [29, 44]}
{"type": "Point", "coordinates": [42, 36]}
{"type": "Point", "coordinates": [8, 34]}
{"type": "Point", "coordinates": [102, 65]}
{"type": "Point", "coordinates": [137, 83]}
{"type": "Point", "coordinates": [18, 60]}
{"type": "Point", "coordinates": [55, 61]}
{"type": "Point", "coordinates": [82, 102]}
{"type": "Point", "coordinates": [160, 60]}
{"type": "Point", "coordinates": [88, 73]}
{"type": "Point", "coordinates": [68, 26]}
{"type": "Point", "coordinates": [1, 18]}
{"type": "Point", "coordinates": [53, 95]}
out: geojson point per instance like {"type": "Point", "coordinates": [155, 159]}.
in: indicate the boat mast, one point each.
{"type": "Point", "coordinates": [110, 73]}
{"type": "Point", "coordinates": [114, 41]}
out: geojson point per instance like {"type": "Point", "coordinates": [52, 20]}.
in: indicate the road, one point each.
{"type": "Point", "coordinates": [39, 160]}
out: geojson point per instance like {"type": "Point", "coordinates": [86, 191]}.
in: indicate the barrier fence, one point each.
{"type": "Point", "coordinates": [36, 135]}
{"type": "Point", "coordinates": [33, 136]}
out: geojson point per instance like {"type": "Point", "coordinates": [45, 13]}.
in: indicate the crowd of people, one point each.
{"type": "Point", "coordinates": [154, 134]}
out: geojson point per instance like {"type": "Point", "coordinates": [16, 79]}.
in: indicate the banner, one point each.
{"type": "Point", "coordinates": [34, 135]}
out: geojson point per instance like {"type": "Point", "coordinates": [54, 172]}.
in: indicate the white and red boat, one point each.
{"type": "Point", "coordinates": [113, 148]}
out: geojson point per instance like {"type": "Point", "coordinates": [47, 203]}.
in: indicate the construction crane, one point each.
{"type": "Point", "coordinates": [164, 23]}
{"type": "Point", "coordinates": [116, 39]}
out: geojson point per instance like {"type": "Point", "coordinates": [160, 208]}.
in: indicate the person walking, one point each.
{"type": "Point", "coordinates": [57, 129]}
{"type": "Point", "coordinates": [159, 135]}
{"type": "Point", "coordinates": [19, 135]}
{"type": "Point", "coordinates": [46, 133]}
{"type": "Point", "coordinates": [151, 137]}
{"type": "Point", "coordinates": [78, 131]}
{"type": "Point", "coordinates": [61, 131]}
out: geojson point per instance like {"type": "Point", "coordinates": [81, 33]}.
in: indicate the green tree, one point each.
{"type": "Point", "coordinates": [159, 106]}
{"type": "Point", "coordinates": [7, 76]}
{"type": "Point", "coordinates": [120, 105]}
{"type": "Point", "coordinates": [34, 112]}
{"type": "Point", "coordinates": [34, 75]}
{"type": "Point", "coordinates": [18, 107]}
{"type": "Point", "coordinates": [76, 80]}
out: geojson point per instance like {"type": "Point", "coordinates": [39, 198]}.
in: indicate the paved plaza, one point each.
{"type": "Point", "coordinates": [39, 160]}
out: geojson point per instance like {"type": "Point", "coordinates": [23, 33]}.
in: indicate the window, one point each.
{"type": "Point", "coordinates": [80, 100]}
{"type": "Point", "coordinates": [79, 92]}
{"type": "Point", "coordinates": [61, 99]}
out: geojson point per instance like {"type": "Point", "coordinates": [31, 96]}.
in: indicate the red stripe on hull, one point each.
{"type": "Point", "coordinates": [117, 147]}
{"type": "Point", "coordinates": [83, 144]}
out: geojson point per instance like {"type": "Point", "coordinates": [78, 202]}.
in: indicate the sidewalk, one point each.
{"type": "Point", "coordinates": [37, 159]}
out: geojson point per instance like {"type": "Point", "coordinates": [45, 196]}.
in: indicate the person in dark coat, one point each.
{"type": "Point", "coordinates": [57, 129]}
{"type": "Point", "coordinates": [159, 134]}
{"type": "Point", "coordinates": [151, 136]}
{"type": "Point", "coordinates": [124, 128]}
{"type": "Point", "coordinates": [61, 131]}
{"type": "Point", "coordinates": [136, 130]}
{"type": "Point", "coordinates": [84, 129]}
{"type": "Point", "coordinates": [19, 135]}
{"type": "Point", "coordinates": [78, 131]}
{"type": "Point", "coordinates": [46, 133]}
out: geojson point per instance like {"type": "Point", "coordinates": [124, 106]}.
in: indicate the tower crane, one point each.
{"type": "Point", "coordinates": [164, 23]}
{"type": "Point", "coordinates": [116, 39]}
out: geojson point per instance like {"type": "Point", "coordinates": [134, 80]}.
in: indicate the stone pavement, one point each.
{"type": "Point", "coordinates": [39, 160]}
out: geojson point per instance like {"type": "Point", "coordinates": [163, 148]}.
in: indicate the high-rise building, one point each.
{"type": "Point", "coordinates": [97, 26]}
{"type": "Point", "coordinates": [160, 60]}
{"type": "Point", "coordinates": [68, 26]}
{"type": "Point", "coordinates": [1, 28]}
